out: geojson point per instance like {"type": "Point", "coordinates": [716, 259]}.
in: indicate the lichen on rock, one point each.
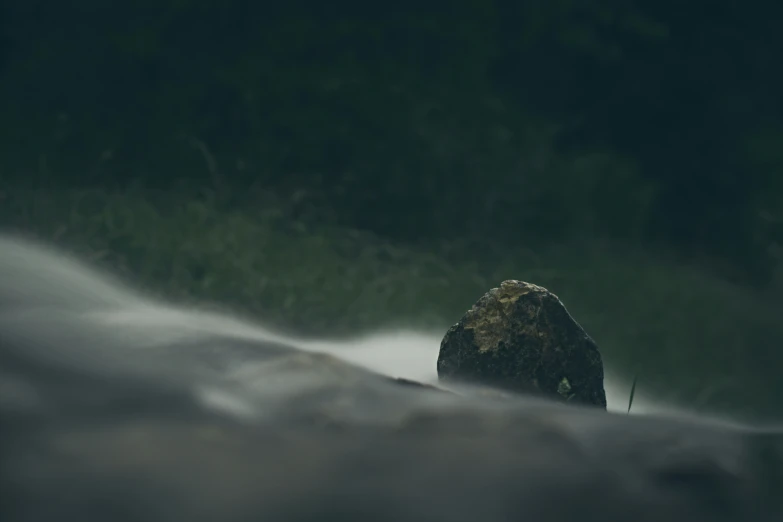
{"type": "Point", "coordinates": [521, 337]}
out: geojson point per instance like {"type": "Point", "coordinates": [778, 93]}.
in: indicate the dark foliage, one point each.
{"type": "Point", "coordinates": [539, 119]}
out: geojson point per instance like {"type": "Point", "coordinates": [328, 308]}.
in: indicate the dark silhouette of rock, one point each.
{"type": "Point", "coordinates": [521, 337]}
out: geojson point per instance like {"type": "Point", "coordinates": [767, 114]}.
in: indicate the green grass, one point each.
{"type": "Point", "coordinates": [699, 340]}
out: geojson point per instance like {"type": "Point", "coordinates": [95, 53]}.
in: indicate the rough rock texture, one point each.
{"type": "Point", "coordinates": [521, 337]}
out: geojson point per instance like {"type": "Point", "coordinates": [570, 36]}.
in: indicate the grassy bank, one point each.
{"type": "Point", "coordinates": [701, 340]}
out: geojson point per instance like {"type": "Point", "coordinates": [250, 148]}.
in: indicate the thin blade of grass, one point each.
{"type": "Point", "coordinates": [633, 391]}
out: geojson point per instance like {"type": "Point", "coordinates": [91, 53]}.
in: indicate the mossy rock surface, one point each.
{"type": "Point", "coordinates": [521, 337]}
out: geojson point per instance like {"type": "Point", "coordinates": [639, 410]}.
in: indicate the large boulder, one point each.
{"type": "Point", "coordinates": [521, 337]}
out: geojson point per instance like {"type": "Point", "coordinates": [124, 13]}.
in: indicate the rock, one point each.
{"type": "Point", "coordinates": [521, 337]}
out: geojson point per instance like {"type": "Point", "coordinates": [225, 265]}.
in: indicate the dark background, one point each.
{"type": "Point", "coordinates": [478, 126]}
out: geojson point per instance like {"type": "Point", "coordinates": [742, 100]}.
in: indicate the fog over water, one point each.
{"type": "Point", "coordinates": [413, 355]}
{"type": "Point", "coordinates": [53, 278]}
{"type": "Point", "coordinates": [113, 402]}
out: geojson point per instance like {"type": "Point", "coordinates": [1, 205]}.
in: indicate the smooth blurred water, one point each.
{"type": "Point", "coordinates": [34, 276]}
{"type": "Point", "coordinates": [413, 355]}
{"type": "Point", "coordinates": [113, 402]}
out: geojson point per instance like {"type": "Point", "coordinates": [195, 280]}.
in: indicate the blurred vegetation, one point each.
{"type": "Point", "coordinates": [641, 120]}
{"type": "Point", "coordinates": [626, 155]}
